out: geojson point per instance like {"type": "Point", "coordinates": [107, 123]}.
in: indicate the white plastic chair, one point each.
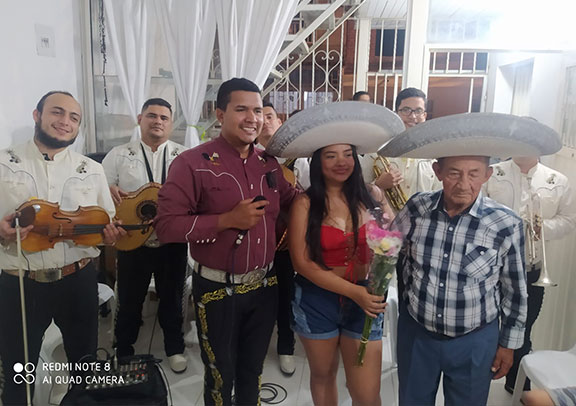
{"type": "Point", "coordinates": [105, 293]}
{"type": "Point", "coordinates": [391, 318]}
{"type": "Point", "coordinates": [546, 370]}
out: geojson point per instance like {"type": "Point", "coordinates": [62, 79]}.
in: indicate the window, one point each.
{"type": "Point", "coordinates": [384, 44]}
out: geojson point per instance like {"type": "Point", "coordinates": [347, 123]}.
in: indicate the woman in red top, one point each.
{"type": "Point", "coordinates": [327, 243]}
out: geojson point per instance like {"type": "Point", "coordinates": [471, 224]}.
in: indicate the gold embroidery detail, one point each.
{"type": "Point", "coordinates": [212, 297]}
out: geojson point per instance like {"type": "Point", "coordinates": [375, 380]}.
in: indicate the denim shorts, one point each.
{"type": "Point", "coordinates": [320, 314]}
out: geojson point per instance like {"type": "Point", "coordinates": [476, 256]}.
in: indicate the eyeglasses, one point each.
{"type": "Point", "coordinates": [406, 111]}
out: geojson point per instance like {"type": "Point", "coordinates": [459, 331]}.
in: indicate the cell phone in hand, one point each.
{"type": "Point", "coordinates": [258, 199]}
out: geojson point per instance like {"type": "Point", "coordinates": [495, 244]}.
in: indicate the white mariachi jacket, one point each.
{"type": "Point", "coordinates": [125, 166]}
{"type": "Point", "coordinates": [509, 186]}
{"type": "Point", "coordinates": [70, 180]}
{"type": "Point", "coordinates": [418, 173]}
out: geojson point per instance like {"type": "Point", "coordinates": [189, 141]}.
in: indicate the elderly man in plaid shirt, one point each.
{"type": "Point", "coordinates": [463, 287]}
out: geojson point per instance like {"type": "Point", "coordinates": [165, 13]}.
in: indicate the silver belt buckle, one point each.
{"type": "Point", "coordinates": [48, 275]}
{"type": "Point", "coordinates": [253, 276]}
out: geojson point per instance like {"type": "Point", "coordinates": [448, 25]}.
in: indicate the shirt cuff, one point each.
{"type": "Point", "coordinates": [511, 337]}
{"type": "Point", "coordinates": [204, 229]}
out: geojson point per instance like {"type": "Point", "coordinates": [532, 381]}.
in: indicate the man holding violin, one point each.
{"type": "Point", "coordinates": [128, 167]}
{"type": "Point", "coordinates": [60, 282]}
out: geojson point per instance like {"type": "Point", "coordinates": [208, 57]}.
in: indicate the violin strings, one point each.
{"type": "Point", "coordinates": [78, 229]}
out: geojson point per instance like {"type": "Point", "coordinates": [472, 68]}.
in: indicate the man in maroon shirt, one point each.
{"type": "Point", "coordinates": [209, 201]}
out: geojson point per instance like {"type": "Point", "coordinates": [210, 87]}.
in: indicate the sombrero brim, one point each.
{"type": "Point", "coordinates": [364, 125]}
{"type": "Point", "coordinates": [482, 134]}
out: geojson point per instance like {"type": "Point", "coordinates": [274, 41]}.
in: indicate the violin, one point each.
{"type": "Point", "coordinates": [52, 225]}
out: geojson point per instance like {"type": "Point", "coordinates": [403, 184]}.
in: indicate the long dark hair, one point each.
{"type": "Point", "coordinates": [356, 194]}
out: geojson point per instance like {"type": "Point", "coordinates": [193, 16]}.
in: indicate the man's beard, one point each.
{"type": "Point", "coordinates": [48, 140]}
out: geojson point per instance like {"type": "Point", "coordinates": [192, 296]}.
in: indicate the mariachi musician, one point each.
{"type": "Point", "coordinates": [128, 167]}
{"type": "Point", "coordinates": [408, 175]}
{"type": "Point", "coordinates": [297, 172]}
{"type": "Point", "coordinates": [537, 194]}
{"type": "Point", "coordinates": [60, 283]}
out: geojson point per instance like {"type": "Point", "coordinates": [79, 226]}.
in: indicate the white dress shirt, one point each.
{"type": "Point", "coordinates": [70, 179]}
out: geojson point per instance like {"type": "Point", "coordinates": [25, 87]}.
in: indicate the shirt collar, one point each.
{"type": "Point", "coordinates": [437, 204]}
{"type": "Point", "coordinates": [33, 148]}
{"type": "Point", "coordinates": [530, 173]}
{"type": "Point", "coordinates": [229, 149]}
{"type": "Point", "coordinates": [160, 148]}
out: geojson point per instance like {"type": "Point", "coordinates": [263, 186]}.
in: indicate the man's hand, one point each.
{"type": "Point", "coordinates": [112, 233]}
{"type": "Point", "coordinates": [117, 194]}
{"type": "Point", "coordinates": [244, 216]}
{"type": "Point", "coordinates": [8, 233]}
{"type": "Point", "coordinates": [502, 362]}
{"type": "Point", "coordinates": [388, 180]}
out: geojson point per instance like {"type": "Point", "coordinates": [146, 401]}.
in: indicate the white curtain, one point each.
{"type": "Point", "coordinates": [189, 28]}
{"type": "Point", "coordinates": [131, 32]}
{"type": "Point", "coordinates": [521, 90]}
{"type": "Point", "coordinates": [250, 34]}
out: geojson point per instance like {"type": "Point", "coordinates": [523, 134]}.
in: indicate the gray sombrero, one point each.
{"type": "Point", "coordinates": [481, 134]}
{"type": "Point", "coordinates": [364, 125]}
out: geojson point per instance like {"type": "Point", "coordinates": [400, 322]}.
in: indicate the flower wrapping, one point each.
{"type": "Point", "coordinates": [385, 246]}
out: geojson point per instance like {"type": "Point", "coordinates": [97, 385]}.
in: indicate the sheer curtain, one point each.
{"type": "Point", "coordinates": [250, 34]}
{"type": "Point", "coordinates": [521, 90]}
{"type": "Point", "coordinates": [131, 28]}
{"type": "Point", "coordinates": [189, 28]}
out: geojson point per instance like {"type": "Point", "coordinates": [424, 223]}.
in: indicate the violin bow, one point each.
{"type": "Point", "coordinates": [22, 302]}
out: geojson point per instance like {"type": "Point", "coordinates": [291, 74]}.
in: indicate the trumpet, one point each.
{"type": "Point", "coordinates": [395, 195]}
{"type": "Point", "coordinates": [535, 240]}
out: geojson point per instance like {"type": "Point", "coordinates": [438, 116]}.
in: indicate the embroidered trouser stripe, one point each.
{"type": "Point", "coordinates": [234, 329]}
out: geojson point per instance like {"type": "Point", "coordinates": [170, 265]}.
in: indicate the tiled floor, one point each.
{"type": "Point", "coordinates": [186, 389]}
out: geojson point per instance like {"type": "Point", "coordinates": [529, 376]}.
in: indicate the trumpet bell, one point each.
{"type": "Point", "coordinates": [544, 282]}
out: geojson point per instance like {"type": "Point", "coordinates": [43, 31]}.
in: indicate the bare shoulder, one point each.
{"type": "Point", "coordinates": [302, 201]}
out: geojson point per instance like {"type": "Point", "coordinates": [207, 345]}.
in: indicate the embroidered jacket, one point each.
{"type": "Point", "coordinates": [71, 180]}
{"type": "Point", "coordinates": [125, 166]}
{"type": "Point", "coordinates": [209, 180]}
{"type": "Point", "coordinates": [509, 186]}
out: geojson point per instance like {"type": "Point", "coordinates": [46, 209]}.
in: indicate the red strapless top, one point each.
{"type": "Point", "coordinates": [338, 247]}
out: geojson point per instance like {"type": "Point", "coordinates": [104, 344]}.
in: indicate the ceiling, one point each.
{"type": "Point", "coordinates": [456, 9]}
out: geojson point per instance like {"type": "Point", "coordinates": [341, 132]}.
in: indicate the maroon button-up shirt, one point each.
{"type": "Point", "coordinates": [209, 180]}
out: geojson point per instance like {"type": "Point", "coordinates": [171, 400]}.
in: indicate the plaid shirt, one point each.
{"type": "Point", "coordinates": [460, 273]}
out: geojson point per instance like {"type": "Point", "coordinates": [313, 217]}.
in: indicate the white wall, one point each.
{"type": "Point", "coordinates": [501, 80]}
{"type": "Point", "coordinates": [24, 75]}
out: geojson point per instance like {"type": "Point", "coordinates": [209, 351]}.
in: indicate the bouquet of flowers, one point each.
{"type": "Point", "coordinates": [385, 246]}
